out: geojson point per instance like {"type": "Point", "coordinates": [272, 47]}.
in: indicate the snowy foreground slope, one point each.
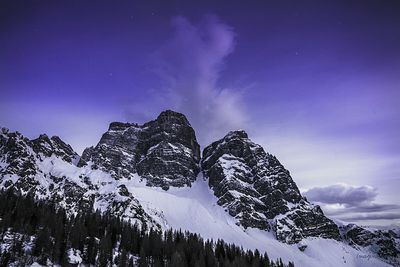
{"type": "Point", "coordinates": [192, 209]}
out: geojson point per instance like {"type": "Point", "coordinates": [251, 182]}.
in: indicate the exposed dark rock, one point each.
{"type": "Point", "coordinates": [15, 155]}
{"type": "Point", "coordinates": [302, 246]}
{"type": "Point", "coordinates": [385, 243]}
{"type": "Point", "coordinates": [257, 190]}
{"type": "Point", "coordinates": [164, 151]}
{"type": "Point", "coordinates": [54, 145]}
{"type": "Point", "coordinates": [123, 191]}
{"type": "Point", "coordinates": [304, 220]}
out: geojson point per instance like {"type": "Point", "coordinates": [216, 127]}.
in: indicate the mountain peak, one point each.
{"type": "Point", "coordinates": [237, 134]}
{"type": "Point", "coordinates": [259, 192]}
{"type": "Point", "coordinates": [4, 130]}
{"type": "Point", "coordinates": [118, 126]}
{"type": "Point", "coordinates": [54, 145]}
{"type": "Point", "coordinates": [170, 112]}
{"type": "Point", "coordinates": [168, 115]}
{"type": "Point", "coordinates": [164, 151]}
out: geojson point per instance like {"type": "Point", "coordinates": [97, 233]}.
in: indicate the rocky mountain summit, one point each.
{"type": "Point", "coordinates": [256, 189]}
{"type": "Point", "coordinates": [48, 146]}
{"type": "Point", "coordinates": [164, 151]}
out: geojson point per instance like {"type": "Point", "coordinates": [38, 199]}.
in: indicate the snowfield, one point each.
{"type": "Point", "coordinates": [195, 209]}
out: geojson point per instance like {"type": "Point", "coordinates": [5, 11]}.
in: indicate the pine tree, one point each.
{"type": "Point", "coordinates": [142, 258]}
{"type": "Point", "coordinates": [177, 260]}
{"type": "Point", "coordinates": [105, 250]}
{"type": "Point", "coordinates": [90, 253]}
{"type": "Point", "coordinates": [123, 259]}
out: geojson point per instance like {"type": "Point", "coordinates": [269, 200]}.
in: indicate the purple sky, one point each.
{"type": "Point", "coordinates": [316, 83]}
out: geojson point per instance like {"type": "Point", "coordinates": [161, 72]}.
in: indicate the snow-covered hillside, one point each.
{"type": "Point", "coordinates": [195, 209]}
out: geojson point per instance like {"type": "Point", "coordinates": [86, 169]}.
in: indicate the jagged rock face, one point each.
{"type": "Point", "coordinates": [19, 155]}
{"type": "Point", "coordinates": [22, 166]}
{"type": "Point", "coordinates": [54, 145]}
{"type": "Point", "coordinates": [257, 190]}
{"type": "Point", "coordinates": [164, 151]}
{"type": "Point", "coordinates": [304, 220]}
{"type": "Point", "coordinates": [15, 155]}
{"type": "Point", "coordinates": [45, 168]}
{"type": "Point", "coordinates": [385, 243]}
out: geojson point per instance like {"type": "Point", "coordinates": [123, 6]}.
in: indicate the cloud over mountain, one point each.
{"type": "Point", "coordinates": [342, 194]}
{"type": "Point", "coordinates": [352, 203]}
{"type": "Point", "coordinates": [190, 63]}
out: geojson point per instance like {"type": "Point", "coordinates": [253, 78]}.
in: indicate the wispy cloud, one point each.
{"type": "Point", "coordinates": [190, 64]}
{"type": "Point", "coordinates": [372, 216]}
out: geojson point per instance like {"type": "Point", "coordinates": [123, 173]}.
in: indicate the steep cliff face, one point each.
{"type": "Point", "coordinates": [164, 151]}
{"type": "Point", "coordinates": [257, 190]}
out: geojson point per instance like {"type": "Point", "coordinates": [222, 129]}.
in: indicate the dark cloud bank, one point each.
{"type": "Point", "coordinates": [352, 203]}
{"type": "Point", "coordinates": [342, 194]}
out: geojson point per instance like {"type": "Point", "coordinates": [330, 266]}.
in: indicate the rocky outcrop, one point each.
{"type": "Point", "coordinates": [18, 154]}
{"type": "Point", "coordinates": [164, 151]}
{"type": "Point", "coordinates": [54, 146]}
{"type": "Point", "coordinates": [15, 155]}
{"type": "Point", "coordinates": [259, 192]}
{"type": "Point", "coordinates": [385, 243]}
{"type": "Point", "coordinates": [304, 220]}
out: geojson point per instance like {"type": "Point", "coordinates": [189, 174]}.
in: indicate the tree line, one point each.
{"type": "Point", "coordinates": [39, 231]}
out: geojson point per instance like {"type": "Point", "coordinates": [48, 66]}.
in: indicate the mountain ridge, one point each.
{"type": "Point", "coordinates": [253, 187]}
